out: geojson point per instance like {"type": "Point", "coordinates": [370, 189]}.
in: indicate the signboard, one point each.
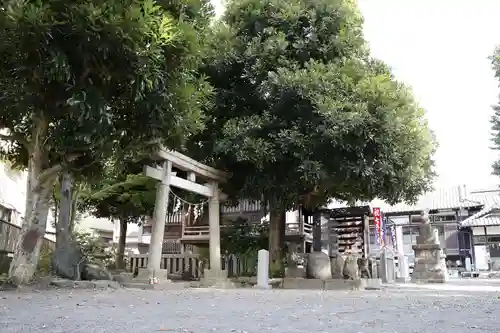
{"type": "Point", "coordinates": [393, 236]}
{"type": "Point", "coordinates": [377, 220]}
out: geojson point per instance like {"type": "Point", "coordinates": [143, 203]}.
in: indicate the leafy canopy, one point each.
{"type": "Point", "coordinates": [121, 195]}
{"type": "Point", "coordinates": [303, 110]}
{"type": "Point", "coordinates": [81, 80]}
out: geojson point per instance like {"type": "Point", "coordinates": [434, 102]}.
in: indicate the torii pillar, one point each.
{"type": "Point", "coordinates": [159, 217]}
{"type": "Point", "coordinates": [214, 231]}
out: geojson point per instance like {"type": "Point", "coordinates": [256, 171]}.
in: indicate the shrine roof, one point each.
{"type": "Point", "coordinates": [451, 198]}
{"type": "Point", "coordinates": [489, 215]}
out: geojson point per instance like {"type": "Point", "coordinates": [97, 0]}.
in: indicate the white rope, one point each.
{"type": "Point", "coordinates": [187, 202]}
{"type": "Point", "coordinates": [195, 208]}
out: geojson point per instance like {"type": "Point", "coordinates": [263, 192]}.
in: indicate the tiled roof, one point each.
{"type": "Point", "coordinates": [488, 215]}
{"type": "Point", "coordinates": [446, 198]}
{"type": "Point", "coordinates": [481, 222]}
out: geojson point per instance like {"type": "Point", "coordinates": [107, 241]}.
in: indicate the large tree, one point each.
{"type": "Point", "coordinates": [304, 114]}
{"type": "Point", "coordinates": [80, 81]}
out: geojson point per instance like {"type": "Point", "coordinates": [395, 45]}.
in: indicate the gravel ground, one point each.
{"type": "Point", "coordinates": [251, 311]}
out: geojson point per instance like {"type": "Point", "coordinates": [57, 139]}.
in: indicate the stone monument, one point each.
{"type": "Point", "coordinates": [430, 266]}
{"type": "Point", "coordinates": [263, 270]}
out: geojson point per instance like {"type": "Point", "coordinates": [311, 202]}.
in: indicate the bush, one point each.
{"type": "Point", "coordinates": [277, 269]}
{"type": "Point", "coordinates": [44, 266]}
{"type": "Point", "coordinates": [94, 249]}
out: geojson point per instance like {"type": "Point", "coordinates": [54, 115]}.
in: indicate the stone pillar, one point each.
{"type": "Point", "coordinates": [158, 228]}
{"type": "Point", "coordinates": [399, 240]}
{"type": "Point", "coordinates": [214, 230]}
{"type": "Point", "coordinates": [263, 270]}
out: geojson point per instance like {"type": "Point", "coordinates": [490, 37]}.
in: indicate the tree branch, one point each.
{"type": "Point", "coordinates": [55, 169]}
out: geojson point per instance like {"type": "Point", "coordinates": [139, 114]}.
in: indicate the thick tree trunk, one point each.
{"type": "Point", "coordinates": [120, 263]}
{"type": "Point", "coordinates": [63, 230]}
{"type": "Point", "coordinates": [277, 221]}
{"type": "Point", "coordinates": [27, 253]}
{"type": "Point", "coordinates": [317, 243]}
{"type": "Point", "coordinates": [40, 184]}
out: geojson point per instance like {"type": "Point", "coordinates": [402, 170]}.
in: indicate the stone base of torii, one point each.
{"type": "Point", "coordinates": [166, 178]}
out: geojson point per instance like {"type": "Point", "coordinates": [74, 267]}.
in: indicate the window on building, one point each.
{"type": "Point", "coordinates": [479, 240]}
{"type": "Point", "coordinates": [443, 218]}
{"type": "Point", "coordinates": [494, 239]}
{"type": "Point", "coordinates": [442, 238]}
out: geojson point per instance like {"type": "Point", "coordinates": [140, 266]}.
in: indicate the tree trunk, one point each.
{"type": "Point", "coordinates": [277, 221]}
{"type": "Point", "coordinates": [120, 263]}
{"type": "Point", "coordinates": [74, 208]}
{"type": "Point", "coordinates": [63, 230]}
{"type": "Point", "coordinates": [27, 252]}
{"type": "Point", "coordinates": [317, 243]}
{"type": "Point", "coordinates": [39, 186]}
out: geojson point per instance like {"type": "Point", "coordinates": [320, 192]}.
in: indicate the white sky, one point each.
{"type": "Point", "coordinates": [441, 49]}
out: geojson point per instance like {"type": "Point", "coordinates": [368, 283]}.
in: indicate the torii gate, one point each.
{"type": "Point", "coordinates": [211, 190]}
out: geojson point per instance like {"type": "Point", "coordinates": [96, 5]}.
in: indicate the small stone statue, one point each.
{"type": "Point", "coordinates": [364, 271]}
{"type": "Point", "coordinates": [350, 271]}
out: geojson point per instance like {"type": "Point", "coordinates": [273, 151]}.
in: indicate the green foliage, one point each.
{"type": "Point", "coordinates": [304, 112]}
{"type": "Point", "coordinates": [44, 265]}
{"type": "Point", "coordinates": [80, 81]}
{"type": "Point", "coordinates": [128, 197]}
{"type": "Point", "coordinates": [277, 269]}
{"type": "Point", "coordinates": [243, 237]}
{"type": "Point", "coordinates": [94, 249]}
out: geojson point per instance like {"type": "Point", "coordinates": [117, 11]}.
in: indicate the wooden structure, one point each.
{"type": "Point", "coordinates": [9, 235]}
{"type": "Point", "coordinates": [200, 179]}
{"type": "Point", "coordinates": [348, 229]}
{"type": "Point", "coordinates": [174, 263]}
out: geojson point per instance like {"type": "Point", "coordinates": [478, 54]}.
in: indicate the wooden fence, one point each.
{"type": "Point", "coordinates": [9, 235]}
{"type": "Point", "coordinates": [176, 263]}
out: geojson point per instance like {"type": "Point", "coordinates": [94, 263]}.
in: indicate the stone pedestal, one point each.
{"type": "Point", "coordinates": [294, 271]}
{"type": "Point", "coordinates": [337, 265]}
{"type": "Point", "coordinates": [430, 265]}
{"type": "Point", "coordinates": [404, 269]}
{"type": "Point", "coordinates": [215, 278]}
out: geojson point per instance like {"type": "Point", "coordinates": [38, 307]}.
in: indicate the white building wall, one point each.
{"type": "Point", "coordinates": [13, 196]}
{"type": "Point", "coordinates": [479, 231]}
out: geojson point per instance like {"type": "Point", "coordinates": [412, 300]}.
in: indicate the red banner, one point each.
{"type": "Point", "coordinates": [377, 221]}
